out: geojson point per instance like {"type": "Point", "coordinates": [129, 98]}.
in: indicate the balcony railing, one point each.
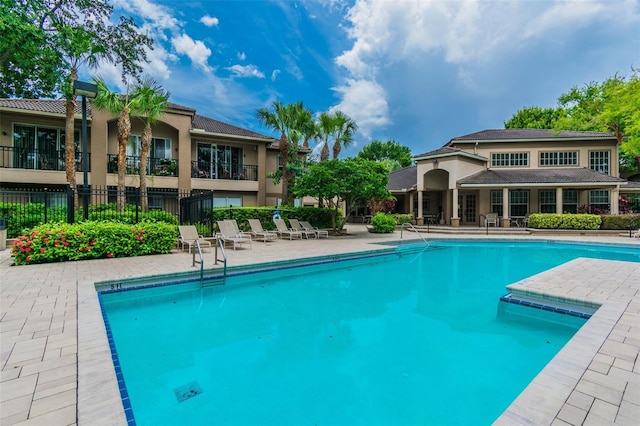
{"type": "Point", "coordinates": [231, 171]}
{"type": "Point", "coordinates": [34, 159]}
{"type": "Point", "coordinates": [155, 166]}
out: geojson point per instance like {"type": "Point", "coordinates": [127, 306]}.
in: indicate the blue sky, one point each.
{"type": "Point", "coordinates": [417, 72]}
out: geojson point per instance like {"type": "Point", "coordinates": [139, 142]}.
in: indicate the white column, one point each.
{"type": "Point", "coordinates": [613, 200]}
{"type": "Point", "coordinates": [505, 203]}
{"type": "Point", "coordinates": [559, 200]}
{"type": "Point", "coordinates": [420, 213]}
{"type": "Point", "coordinates": [454, 204]}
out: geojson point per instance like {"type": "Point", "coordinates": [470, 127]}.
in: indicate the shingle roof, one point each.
{"type": "Point", "coordinates": [447, 151]}
{"type": "Point", "coordinates": [50, 106]}
{"type": "Point", "coordinates": [538, 176]}
{"type": "Point", "coordinates": [214, 126]}
{"type": "Point", "coordinates": [403, 179]}
{"type": "Point", "coordinates": [528, 134]}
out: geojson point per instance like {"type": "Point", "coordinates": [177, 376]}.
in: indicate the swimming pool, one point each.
{"type": "Point", "coordinates": [404, 338]}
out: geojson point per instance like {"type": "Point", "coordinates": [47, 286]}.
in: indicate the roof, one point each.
{"type": "Point", "coordinates": [214, 126]}
{"type": "Point", "coordinates": [48, 106]}
{"type": "Point", "coordinates": [515, 135]}
{"type": "Point", "coordinates": [506, 177]}
{"type": "Point", "coordinates": [447, 151]}
{"type": "Point", "coordinates": [403, 179]}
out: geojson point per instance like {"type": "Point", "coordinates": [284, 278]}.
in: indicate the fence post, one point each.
{"type": "Point", "coordinates": [70, 207]}
{"type": "Point", "coordinates": [46, 203]}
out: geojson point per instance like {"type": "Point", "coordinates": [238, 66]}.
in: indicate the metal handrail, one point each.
{"type": "Point", "coordinates": [220, 243]}
{"type": "Point", "coordinates": [414, 230]}
{"type": "Point", "coordinates": [201, 261]}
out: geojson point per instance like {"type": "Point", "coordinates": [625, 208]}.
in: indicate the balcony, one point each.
{"type": "Point", "coordinates": [155, 166]}
{"type": "Point", "coordinates": [229, 171]}
{"type": "Point", "coordinates": [34, 159]}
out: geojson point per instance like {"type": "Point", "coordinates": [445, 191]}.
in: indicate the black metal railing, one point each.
{"type": "Point", "coordinates": [231, 171]}
{"type": "Point", "coordinates": [37, 159]}
{"type": "Point", "coordinates": [155, 166]}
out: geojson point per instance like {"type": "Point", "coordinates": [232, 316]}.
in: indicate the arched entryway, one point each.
{"type": "Point", "coordinates": [430, 206]}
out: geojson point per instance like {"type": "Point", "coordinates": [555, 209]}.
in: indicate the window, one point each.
{"type": "Point", "coordinates": [599, 161]}
{"type": "Point", "coordinates": [510, 159]}
{"type": "Point", "coordinates": [40, 147]}
{"type": "Point", "coordinates": [570, 201]}
{"type": "Point", "coordinates": [518, 203]}
{"type": "Point", "coordinates": [598, 201]}
{"type": "Point", "coordinates": [496, 202]}
{"type": "Point", "coordinates": [296, 202]}
{"type": "Point", "coordinates": [562, 158]}
{"type": "Point", "coordinates": [227, 201]}
{"type": "Point", "coordinates": [160, 147]}
{"type": "Point", "coordinates": [547, 201]}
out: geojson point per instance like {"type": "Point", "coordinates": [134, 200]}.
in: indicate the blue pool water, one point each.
{"type": "Point", "coordinates": [411, 338]}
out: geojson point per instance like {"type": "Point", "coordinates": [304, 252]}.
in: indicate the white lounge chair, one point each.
{"type": "Point", "coordinates": [284, 231]}
{"type": "Point", "coordinates": [259, 233]}
{"type": "Point", "coordinates": [319, 232]}
{"type": "Point", "coordinates": [228, 234]}
{"type": "Point", "coordinates": [636, 234]}
{"type": "Point", "coordinates": [295, 224]}
{"type": "Point", "coordinates": [491, 219]}
{"type": "Point", "coordinates": [188, 237]}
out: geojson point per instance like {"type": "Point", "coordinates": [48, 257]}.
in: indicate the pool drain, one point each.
{"type": "Point", "coordinates": [187, 391]}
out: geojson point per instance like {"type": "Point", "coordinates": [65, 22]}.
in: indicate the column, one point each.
{"type": "Point", "coordinates": [505, 208]}
{"type": "Point", "coordinates": [559, 200]}
{"type": "Point", "coordinates": [420, 219]}
{"type": "Point", "coordinates": [614, 201]}
{"type": "Point", "coordinates": [455, 220]}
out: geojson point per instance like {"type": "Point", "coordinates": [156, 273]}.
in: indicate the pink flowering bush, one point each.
{"type": "Point", "coordinates": [59, 242]}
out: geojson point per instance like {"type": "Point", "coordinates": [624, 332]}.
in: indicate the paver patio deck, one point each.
{"type": "Point", "coordinates": [56, 365]}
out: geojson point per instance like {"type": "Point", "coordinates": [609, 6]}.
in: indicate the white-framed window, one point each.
{"type": "Point", "coordinates": [496, 202]}
{"type": "Point", "coordinates": [518, 203]}
{"type": "Point", "coordinates": [559, 158]}
{"type": "Point", "coordinates": [599, 199]}
{"type": "Point", "coordinates": [40, 147]}
{"type": "Point", "coordinates": [569, 201]}
{"type": "Point", "coordinates": [227, 201]}
{"type": "Point", "coordinates": [296, 202]}
{"type": "Point", "coordinates": [160, 147]}
{"type": "Point", "coordinates": [599, 161]}
{"type": "Point", "coordinates": [510, 159]}
{"type": "Point", "coordinates": [547, 201]}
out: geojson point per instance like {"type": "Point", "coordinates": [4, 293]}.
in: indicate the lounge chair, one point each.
{"type": "Point", "coordinates": [188, 237]}
{"type": "Point", "coordinates": [259, 233]}
{"type": "Point", "coordinates": [283, 231]}
{"type": "Point", "coordinates": [319, 232]}
{"type": "Point", "coordinates": [228, 234]}
{"type": "Point", "coordinates": [636, 234]}
{"type": "Point", "coordinates": [491, 219]}
{"type": "Point", "coordinates": [295, 224]}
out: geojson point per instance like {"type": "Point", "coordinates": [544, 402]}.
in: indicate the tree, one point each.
{"type": "Point", "coordinates": [121, 105]}
{"type": "Point", "coordinates": [150, 103]}
{"type": "Point", "coordinates": [48, 41]}
{"type": "Point", "coordinates": [390, 153]}
{"type": "Point", "coordinates": [292, 121]}
{"type": "Point", "coordinates": [535, 118]}
{"type": "Point", "coordinates": [326, 128]}
{"type": "Point", "coordinates": [345, 127]}
{"type": "Point", "coordinates": [353, 181]}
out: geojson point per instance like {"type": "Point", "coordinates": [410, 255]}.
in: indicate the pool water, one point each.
{"type": "Point", "coordinates": [411, 338]}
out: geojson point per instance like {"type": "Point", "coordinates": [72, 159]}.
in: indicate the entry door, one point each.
{"type": "Point", "coordinates": [207, 159]}
{"type": "Point", "coordinates": [467, 210]}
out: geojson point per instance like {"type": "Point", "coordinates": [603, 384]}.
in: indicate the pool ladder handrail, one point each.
{"type": "Point", "coordinates": [414, 230]}
{"type": "Point", "coordinates": [220, 244]}
{"type": "Point", "coordinates": [201, 261]}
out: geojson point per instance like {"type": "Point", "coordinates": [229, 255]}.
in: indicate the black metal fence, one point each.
{"type": "Point", "coordinates": [24, 208]}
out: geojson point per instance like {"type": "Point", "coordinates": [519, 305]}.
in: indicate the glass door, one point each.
{"type": "Point", "coordinates": [207, 160]}
{"type": "Point", "coordinates": [467, 211]}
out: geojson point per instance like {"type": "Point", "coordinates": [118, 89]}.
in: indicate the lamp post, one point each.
{"type": "Point", "coordinates": [86, 90]}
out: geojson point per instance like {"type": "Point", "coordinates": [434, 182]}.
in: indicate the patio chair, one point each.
{"type": "Point", "coordinates": [491, 219]}
{"type": "Point", "coordinates": [188, 237]}
{"type": "Point", "coordinates": [258, 232]}
{"type": "Point", "coordinates": [228, 234]}
{"type": "Point", "coordinates": [283, 231]}
{"type": "Point", "coordinates": [319, 232]}
{"type": "Point", "coordinates": [295, 224]}
{"type": "Point", "coordinates": [636, 234]}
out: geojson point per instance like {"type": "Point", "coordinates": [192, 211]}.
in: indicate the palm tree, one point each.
{"type": "Point", "coordinates": [345, 128]}
{"type": "Point", "coordinates": [326, 128]}
{"type": "Point", "coordinates": [121, 105]}
{"type": "Point", "coordinates": [150, 103]}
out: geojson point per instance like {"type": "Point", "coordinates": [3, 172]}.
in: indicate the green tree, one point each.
{"type": "Point", "coordinates": [122, 105]}
{"type": "Point", "coordinates": [150, 103]}
{"type": "Point", "coordinates": [345, 127]}
{"type": "Point", "coordinates": [292, 121]}
{"type": "Point", "coordinates": [390, 153]}
{"type": "Point", "coordinates": [535, 118]}
{"type": "Point", "coordinates": [353, 181]}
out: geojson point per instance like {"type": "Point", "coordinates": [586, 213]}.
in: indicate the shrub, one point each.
{"type": "Point", "coordinates": [320, 217]}
{"type": "Point", "coordinates": [383, 223]}
{"type": "Point", "coordinates": [617, 221]}
{"type": "Point", "coordinates": [564, 221]}
{"type": "Point", "coordinates": [402, 218]}
{"type": "Point", "coordinates": [59, 242]}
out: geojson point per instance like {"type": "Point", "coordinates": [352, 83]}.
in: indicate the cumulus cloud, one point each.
{"type": "Point", "coordinates": [194, 49]}
{"type": "Point", "coordinates": [365, 102]}
{"type": "Point", "coordinates": [246, 71]}
{"type": "Point", "coordinates": [209, 21]}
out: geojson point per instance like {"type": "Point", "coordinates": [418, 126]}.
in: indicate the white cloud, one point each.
{"type": "Point", "coordinates": [242, 56]}
{"type": "Point", "coordinates": [160, 17]}
{"type": "Point", "coordinates": [275, 74]}
{"type": "Point", "coordinates": [194, 49]}
{"type": "Point", "coordinates": [365, 102]}
{"type": "Point", "coordinates": [209, 21]}
{"type": "Point", "coordinates": [246, 71]}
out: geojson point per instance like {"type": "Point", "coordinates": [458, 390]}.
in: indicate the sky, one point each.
{"type": "Point", "coordinates": [417, 72]}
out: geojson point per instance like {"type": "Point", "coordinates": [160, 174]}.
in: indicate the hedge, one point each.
{"type": "Point", "coordinates": [317, 216]}
{"type": "Point", "coordinates": [564, 221]}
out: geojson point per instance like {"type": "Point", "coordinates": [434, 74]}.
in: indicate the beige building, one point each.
{"type": "Point", "coordinates": [188, 152]}
{"type": "Point", "coordinates": [512, 172]}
